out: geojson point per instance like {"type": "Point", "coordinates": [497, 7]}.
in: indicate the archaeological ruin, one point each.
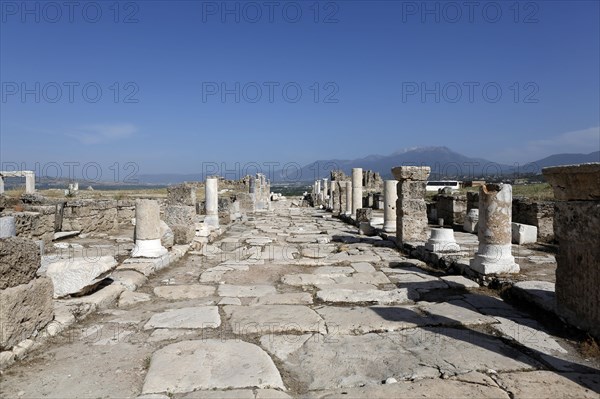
{"type": "Point", "coordinates": [362, 287]}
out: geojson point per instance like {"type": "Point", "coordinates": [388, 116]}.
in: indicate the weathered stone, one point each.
{"type": "Point", "coordinates": [363, 267]}
{"type": "Point", "coordinates": [129, 279]}
{"type": "Point", "coordinates": [535, 213]}
{"type": "Point", "coordinates": [577, 229]}
{"type": "Point", "coordinates": [129, 298]}
{"type": "Point", "coordinates": [390, 194]}
{"type": "Point", "coordinates": [459, 281]}
{"type": "Point", "coordinates": [24, 309]}
{"type": "Point", "coordinates": [357, 189]}
{"type": "Point", "coordinates": [301, 298]}
{"type": "Point", "coordinates": [523, 234]}
{"type": "Point", "coordinates": [336, 295]}
{"type": "Point", "coordinates": [179, 215]}
{"type": "Point", "coordinates": [494, 231]}
{"type": "Point", "coordinates": [8, 227]}
{"type": "Point", "coordinates": [362, 320]}
{"type": "Point", "coordinates": [263, 319]}
{"type": "Point", "coordinates": [363, 215]}
{"type": "Point", "coordinates": [411, 210]}
{"type": "Point", "coordinates": [19, 261]}
{"type": "Point", "coordinates": [179, 292]}
{"type": "Point", "coordinates": [575, 182]}
{"type": "Point", "coordinates": [182, 194]}
{"type": "Point", "coordinates": [210, 364]}
{"type": "Point", "coordinates": [147, 230]}
{"type": "Point", "coordinates": [78, 275]}
{"type": "Point", "coordinates": [183, 233]}
{"type": "Point", "coordinates": [246, 290]}
{"type": "Point", "coordinates": [471, 222]}
{"type": "Point", "coordinates": [442, 240]}
{"type": "Point", "coordinates": [197, 317]}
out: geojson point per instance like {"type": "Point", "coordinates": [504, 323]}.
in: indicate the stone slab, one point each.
{"type": "Point", "coordinates": [245, 290]}
{"type": "Point", "coordinates": [335, 295]}
{"type": "Point", "coordinates": [300, 298]}
{"type": "Point", "coordinates": [180, 292]}
{"type": "Point", "coordinates": [194, 317]}
{"type": "Point", "coordinates": [273, 319]}
{"type": "Point", "coordinates": [210, 364]}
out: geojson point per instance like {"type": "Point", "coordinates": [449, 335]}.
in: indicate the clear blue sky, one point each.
{"type": "Point", "coordinates": [370, 61]}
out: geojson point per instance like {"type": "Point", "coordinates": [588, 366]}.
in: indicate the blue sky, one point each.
{"type": "Point", "coordinates": [183, 82]}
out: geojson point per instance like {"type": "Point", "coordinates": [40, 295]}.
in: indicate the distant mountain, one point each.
{"type": "Point", "coordinates": [444, 163]}
{"type": "Point", "coordinates": [561, 159]}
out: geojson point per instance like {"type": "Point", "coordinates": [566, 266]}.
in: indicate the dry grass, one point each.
{"type": "Point", "coordinates": [590, 348]}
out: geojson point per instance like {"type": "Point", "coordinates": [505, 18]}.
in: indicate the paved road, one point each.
{"type": "Point", "coordinates": [294, 303]}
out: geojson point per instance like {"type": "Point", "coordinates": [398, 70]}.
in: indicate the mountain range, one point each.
{"type": "Point", "coordinates": [444, 163]}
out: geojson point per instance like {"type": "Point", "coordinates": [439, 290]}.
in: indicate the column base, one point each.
{"type": "Point", "coordinates": [212, 221]}
{"type": "Point", "coordinates": [389, 227]}
{"type": "Point", "coordinates": [148, 249]}
{"type": "Point", "coordinates": [494, 259]}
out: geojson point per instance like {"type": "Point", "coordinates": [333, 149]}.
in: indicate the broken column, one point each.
{"type": "Point", "coordinates": [348, 211]}
{"type": "Point", "coordinates": [442, 240]}
{"type": "Point", "coordinates": [1, 184]}
{"type": "Point", "coordinates": [357, 189]}
{"type": "Point", "coordinates": [577, 229]}
{"type": "Point", "coordinates": [147, 230]}
{"type": "Point", "coordinates": [332, 185]}
{"type": "Point", "coordinates": [411, 210]}
{"type": "Point", "coordinates": [29, 181]}
{"type": "Point", "coordinates": [212, 202]}
{"type": "Point", "coordinates": [390, 196]}
{"type": "Point", "coordinates": [494, 231]}
{"type": "Point", "coordinates": [180, 213]}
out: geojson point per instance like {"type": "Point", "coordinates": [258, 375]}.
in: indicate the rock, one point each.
{"type": "Point", "coordinates": [59, 235]}
{"type": "Point", "coordinates": [210, 364]}
{"type": "Point", "coordinates": [196, 317]}
{"type": "Point", "coordinates": [167, 238]}
{"type": "Point", "coordinates": [230, 301]}
{"type": "Point", "coordinates": [264, 319]}
{"type": "Point", "coordinates": [24, 309]}
{"type": "Point", "coordinates": [362, 320]}
{"type": "Point", "coordinates": [458, 313]}
{"type": "Point", "coordinates": [19, 261]}
{"type": "Point", "coordinates": [574, 182]}
{"type": "Point", "coordinates": [183, 234]}
{"type": "Point", "coordinates": [179, 292]}
{"type": "Point", "coordinates": [358, 296]}
{"type": "Point", "coordinates": [529, 334]}
{"type": "Point", "coordinates": [129, 298]}
{"type": "Point", "coordinates": [363, 267]}
{"type": "Point", "coordinates": [78, 275]}
{"type": "Point", "coordinates": [246, 290]}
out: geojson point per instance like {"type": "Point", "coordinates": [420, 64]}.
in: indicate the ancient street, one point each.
{"type": "Point", "coordinates": [295, 303]}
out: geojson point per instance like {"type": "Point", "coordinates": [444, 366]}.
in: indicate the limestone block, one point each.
{"type": "Point", "coordinates": [79, 275]}
{"type": "Point", "coordinates": [24, 309]}
{"type": "Point", "coordinates": [7, 227]}
{"type": "Point", "coordinates": [182, 194]}
{"type": "Point", "coordinates": [179, 214]}
{"type": "Point", "coordinates": [575, 182]}
{"type": "Point", "coordinates": [523, 233]}
{"type": "Point", "coordinates": [19, 260]}
{"type": "Point", "coordinates": [411, 172]}
{"type": "Point", "coordinates": [183, 233]}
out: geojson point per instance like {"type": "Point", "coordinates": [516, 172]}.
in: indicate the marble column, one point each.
{"type": "Point", "coordinates": [29, 182]}
{"type": "Point", "coordinates": [147, 230]}
{"type": "Point", "coordinates": [390, 196]}
{"type": "Point", "coordinates": [1, 185]}
{"type": "Point", "coordinates": [357, 189]}
{"type": "Point", "coordinates": [348, 198]}
{"type": "Point", "coordinates": [411, 210]}
{"type": "Point", "coordinates": [494, 254]}
{"type": "Point", "coordinates": [577, 230]}
{"type": "Point", "coordinates": [332, 185]}
{"type": "Point", "coordinates": [212, 202]}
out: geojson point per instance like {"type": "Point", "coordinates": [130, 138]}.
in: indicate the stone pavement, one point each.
{"type": "Point", "coordinates": [294, 303]}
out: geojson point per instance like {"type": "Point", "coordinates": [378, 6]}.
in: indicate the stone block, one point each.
{"type": "Point", "coordinates": [19, 261]}
{"type": "Point", "coordinates": [183, 233]}
{"type": "Point", "coordinates": [182, 194]}
{"type": "Point", "coordinates": [24, 309]}
{"type": "Point", "coordinates": [179, 214]}
{"type": "Point", "coordinates": [575, 182]}
{"type": "Point", "coordinates": [411, 172]}
{"type": "Point", "coordinates": [363, 214]}
{"type": "Point", "coordinates": [523, 233]}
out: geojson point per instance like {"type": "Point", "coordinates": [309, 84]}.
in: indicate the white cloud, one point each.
{"type": "Point", "coordinates": [579, 141]}
{"type": "Point", "coordinates": [96, 134]}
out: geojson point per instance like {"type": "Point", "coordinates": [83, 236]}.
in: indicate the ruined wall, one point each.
{"type": "Point", "coordinates": [36, 222]}
{"type": "Point", "coordinates": [372, 182]}
{"type": "Point", "coordinates": [91, 216]}
{"type": "Point", "coordinates": [539, 214]}
{"type": "Point", "coordinates": [25, 299]}
{"type": "Point", "coordinates": [452, 208]}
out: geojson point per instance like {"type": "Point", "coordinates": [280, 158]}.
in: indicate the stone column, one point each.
{"type": "Point", "coordinates": [212, 202]}
{"type": "Point", "coordinates": [8, 227]}
{"type": "Point", "coordinates": [577, 229]}
{"type": "Point", "coordinates": [147, 230]}
{"type": "Point", "coordinates": [1, 185]}
{"type": "Point", "coordinates": [29, 182]}
{"type": "Point", "coordinates": [357, 189]}
{"type": "Point", "coordinates": [390, 196]}
{"type": "Point", "coordinates": [348, 198]}
{"type": "Point", "coordinates": [494, 254]}
{"type": "Point", "coordinates": [411, 210]}
{"type": "Point", "coordinates": [332, 185]}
